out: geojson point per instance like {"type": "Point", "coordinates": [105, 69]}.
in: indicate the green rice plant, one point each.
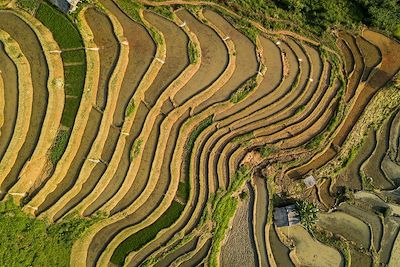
{"type": "Point", "coordinates": [59, 146]}
{"type": "Point", "coordinates": [64, 32]}
{"type": "Point", "coordinates": [144, 236]}
{"type": "Point", "coordinates": [244, 90]}
{"type": "Point", "coordinates": [183, 190]}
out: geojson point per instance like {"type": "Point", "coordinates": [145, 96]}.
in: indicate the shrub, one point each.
{"type": "Point", "coordinates": [308, 214]}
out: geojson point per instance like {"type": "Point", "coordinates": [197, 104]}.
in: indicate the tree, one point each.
{"type": "Point", "coordinates": [308, 213]}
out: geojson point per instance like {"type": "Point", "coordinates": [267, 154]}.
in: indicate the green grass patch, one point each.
{"type": "Point", "coordinates": [73, 56]}
{"type": "Point", "coordinates": [144, 236]}
{"type": "Point", "coordinates": [196, 132]}
{"type": "Point", "coordinates": [244, 90]}
{"type": "Point", "coordinates": [131, 8]}
{"type": "Point", "coordinates": [70, 109]}
{"type": "Point", "coordinates": [224, 209]}
{"type": "Point", "coordinates": [59, 146]}
{"type": "Point", "coordinates": [74, 80]}
{"type": "Point", "coordinates": [137, 145]}
{"type": "Point", "coordinates": [244, 138]}
{"type": "Point", "coordinates": [64, 32]}
{"type": "Point", "coordinates": [130, 108]}
{"type": "Point", "coordinates": [183, 190]}
{"type": "Point", "coordinates": [266, 151]}
{"type": "Point", "coordinates": [315, 141]}
{"type": "Point", "coordinates": [165, 11]}
{"type": "Point", "coordinates": [28, 5]}
{"type": "Point", "coordinates": [26, 241]}
{"type": "Point", "coordinates": [194, 53]}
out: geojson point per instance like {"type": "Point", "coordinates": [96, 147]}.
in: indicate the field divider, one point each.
{"type": "Point", "coordinates": [156, 167]}
{"type": "Point", "coordinates": [36, 167]}
{"type": "Point", "coordinates": [203, 240]}
{"type": "Point", "coordinates": [25, 102]}
{"type": "Point", "coordinates": [168, 93]}
{"type": "Point", "coordinates": [2, 100]}
{"type": "Point", "coordinates": [114, 85]}
{"type": "Point", "coordinates": [87, 102]}
{"type": "Point", "coordinates": [195, 121]}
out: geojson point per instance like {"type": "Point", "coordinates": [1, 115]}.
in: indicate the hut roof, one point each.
{"type": "Point", "coordinates": [286, 216]}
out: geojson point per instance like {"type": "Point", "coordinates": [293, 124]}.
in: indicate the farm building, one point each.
{"type": "Point", "coordinates": [286, 216]}
{"type": "Point", "coordinates": [66, 5]}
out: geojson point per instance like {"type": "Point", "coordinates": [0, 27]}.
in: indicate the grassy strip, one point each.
{"type": "Point", "coordinates": [194, 53]}
{"type": "Point", "coordinates": [243, 139]}
{"type": "Point", "coordinates": [196, 132]}
{"type": "Point", "coordinates": [141, 238]}
{"type": "Point", "coordinates": [26, 241]}
{"type": "Point", "coordinates": [29, 5]}
{"type": "Point", "coordinates": [266, 151]}
{"type": "Point", "coordinates": [165, 11]}
{"type": "Point", "coordinates": [244, 90]}
{"type": "Point", "coordinates": [63, 30]}
{"type": "Point", "coordinates": [67, 36]}
{"type": "Point", "coordinates": [59, 146]}
{"type": "Point", "coordinates": [137, 145]}
{"type": "Point", "coordinates": [130, 108]}
{"type": "Point", "coordinates": [224, 210]}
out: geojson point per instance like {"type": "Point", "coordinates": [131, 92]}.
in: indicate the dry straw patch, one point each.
{"type": "Point", "coordinates": [88, 100]}
{"type": "Point", "coordinates": [35, 168]}
{"type": "Point", "coordinates": [25, 101]}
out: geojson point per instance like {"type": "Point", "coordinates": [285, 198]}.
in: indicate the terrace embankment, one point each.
{"type": "Point", "coordinates": [10, 98]}
{"type": "Point", "coordinates": [106, 41]}
{"type": "Point", "coordinates": [32, 49]}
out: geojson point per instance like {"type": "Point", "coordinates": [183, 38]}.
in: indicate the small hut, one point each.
{"type": "Point", "coordinates": [286, 216]}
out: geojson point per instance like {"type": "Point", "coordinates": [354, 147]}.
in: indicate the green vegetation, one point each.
{"type": "Point", "coordinates": [193, 53]}
{"type": "Point", "coordinates": [131, 8]}
{"type": "Point", "coordinates": [165, 11]}
{"type": "Point", "coordinates": [144, 236]}
{"type": "Point", "coordinates": [315, 141]}
{"type": "Point", "coordinates": [26, 241]}
{"type": "Point", "coordinates": [59, 146]}
{"type": "Point", "coordinates": [244, 90]}
{"type": "Point", "coordinates": [67, 36]}
{"type": "Point", "coordinates": [224, 209]}
{"type": "Point", "coordinates": [183, 190]}
{"type": "Point", "coordinates": [197, 131]}
{"type": "Point", "coordinates": [308, 214]}
{"type": "Point", "coordinates": [136, 148]}
{"type": "Point", "coordinates": [130, 108]}
{"type": "Point", "coordinates": [64, 32]}
{"type": "Point", "coordinates": [266, 150]}
{"type": "Point", "coordinates": [243, 139]}
{"type": "Point", "coordinates": [29, 5]}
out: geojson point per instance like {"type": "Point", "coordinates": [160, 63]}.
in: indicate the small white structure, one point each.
{"type": "Point", "coordinates": [309, 181]}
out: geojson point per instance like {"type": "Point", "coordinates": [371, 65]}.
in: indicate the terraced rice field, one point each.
{"type": "Point", "coordinates": [173, 132]}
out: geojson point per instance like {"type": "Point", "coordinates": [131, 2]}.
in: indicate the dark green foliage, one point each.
{"type": "Point", "coordinates": [308, 214]}
{"type": "Point", "coordinates": [29, 5]}
{"type": "Point", "coordinates": [26, 241]}
{"type": "Point", "coordinates": [59, 146]}
{"type": "Point", "coordinates": [74, 56]}
{"type": "Point", "coordinates": [74, 80]}
{"type": "Point", "coordinates": [197, 131]}
{"type": "Point", "coordinates": [183, 190]}
{"type": "Point", "coordinates": [141, 238]}
{"type": "Point", "coordinates": [64, 32]}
